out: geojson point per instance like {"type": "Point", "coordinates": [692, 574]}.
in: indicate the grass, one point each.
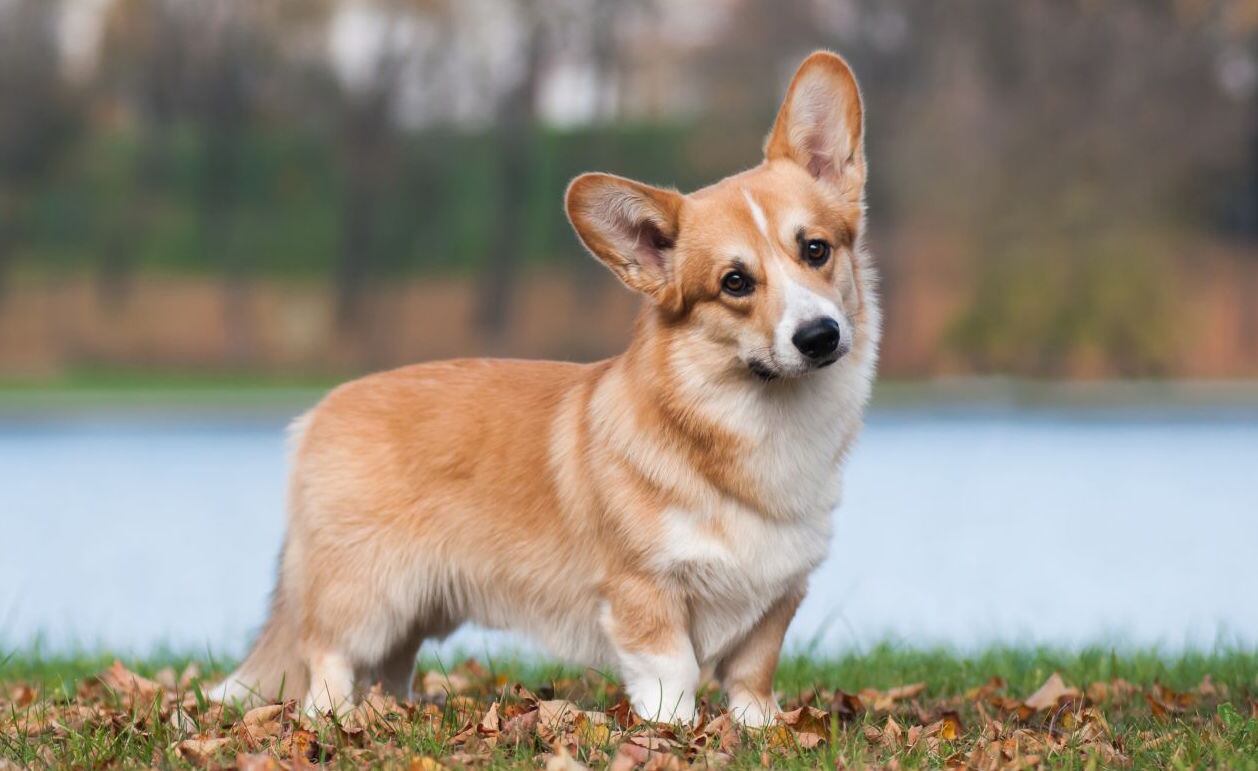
{"type": "Point", "coordinates": [1129, 709]}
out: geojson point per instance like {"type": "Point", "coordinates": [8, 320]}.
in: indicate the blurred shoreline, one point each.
{"type": "Point", "coordinates": [135, 396]}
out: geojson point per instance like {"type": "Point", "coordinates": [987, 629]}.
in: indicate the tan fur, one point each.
{"type": "Point", "coordinates": [657, 512]}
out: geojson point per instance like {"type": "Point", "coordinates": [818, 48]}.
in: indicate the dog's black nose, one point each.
{"type": "Point", "coordinates": [818, 338]}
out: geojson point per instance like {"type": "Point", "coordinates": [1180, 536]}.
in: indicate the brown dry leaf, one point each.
{"type": "Point", "coordinates": [301, 744]}
{"type": "Point", "coordinates": [519, 729]}
{"type": "Point", "coordinates": [779, 738]}
{"type": "Point", "coordinates": [846, 706]}
{"type": "Point", "coordinates": [724, 731]}
{"type": "Point", "coordinates": [627, 757]}
{"type": "Point", "coordinates": [665, 763]}
{"type": "Point", "coordinates": [425, 763]}
{"type": "Point", "coordinates": [200, 751]}
{"type": "Point", "coordinates": [890, 736]}
{"type": "Point", "coordinates": [592, 730]}
{"type": "Point", "coordinates": [913, 736]}
{"type": "Point", "coordinates": [623, 715]}
{"type": "Point", "coordinates": [1050, 693]}
{"type": "Point", "coordinates": [562, 760]}
{"type": "Point", "coordinates": [905, 691]}
{"type": "Point", "coordinates": [256, 762]}
{"type": "Point", "coordinates": [32, 723]}
{"type": "Point", "coordinates": [436, 684]}
{"type": "Point", "coordinates": [166, 678]}
{"type": "Point", "coordinates": [1114, 690]}
{"type": "Point", "coordinates": [1174, 700]}
{"type": "Point", "coordinates": [882, 701]}
{"type": "Point", "coordinates": [1159, 710]}
{"type": "Point", "coordinates": [490, 724]}
{"type": "Point", "coordinates": [808, 719]}
{"type": "Point", "coordinates": [135, 691]}
{"type": "Point", "coordinates": [190, 674]}
{"type": "Point", "coordinates": [947, 728]}
{"type": "Point", "coordinates": [74, 716]}
{"type": "Point", "coordinates": [473, 668]}
{"type": "Point", "coordinates": [1152, 742]}
{"type": "Point", "coordinates": [376, 710]}
{"type": "Point", "coordinates": [263, 718]}
{"type": "Point", "coordinates": [1091, 726]}
{"type": "Point", "coordinates": [987, 690]}
{"type": "Point", "coordinates": [260, 724]}
{"type": "Point", "coordinates": [22, 695]}
{"type": "Point", "coordinates": [557, 713]}
{"type": "Point", "coordinates": [630, 755]}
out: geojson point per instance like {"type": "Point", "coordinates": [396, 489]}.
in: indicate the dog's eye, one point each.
{"type": "Point", "coordinates": [816, 252]}
{"type": "Point", "coordinates": [736, 284]}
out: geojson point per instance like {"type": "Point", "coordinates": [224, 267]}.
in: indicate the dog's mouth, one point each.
{"type": "Point", "coordinates": [762, 370]}
{"type": "Point", "coordinates": [767, 372]}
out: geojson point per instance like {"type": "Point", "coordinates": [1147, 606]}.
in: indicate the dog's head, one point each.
{"type": "Point", "coordinates": [759, 272]}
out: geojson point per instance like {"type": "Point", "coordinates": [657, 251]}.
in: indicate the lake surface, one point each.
{"type": "Point", "coordinates": [133, 531]}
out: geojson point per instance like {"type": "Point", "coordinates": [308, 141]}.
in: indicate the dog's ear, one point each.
{"type": "Point", "coordinates": [630, 226]}
{"type": "Point", "coordinates": [821, 123]}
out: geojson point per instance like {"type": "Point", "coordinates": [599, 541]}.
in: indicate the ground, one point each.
{"type": "Point", "coordinates": [887, 707]}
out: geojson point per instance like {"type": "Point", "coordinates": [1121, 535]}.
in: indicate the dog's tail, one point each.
{"type": "Point", "coordinates": [274, 670]}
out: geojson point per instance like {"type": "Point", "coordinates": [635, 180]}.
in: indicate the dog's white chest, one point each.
{"type": "Point", "coordinates": [734, 563]}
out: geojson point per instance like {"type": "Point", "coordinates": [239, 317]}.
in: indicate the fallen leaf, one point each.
{"type": "Point", "coordinates": [1050, 693]}
{"type": "Point", "coordinates": [22, 695]}
{"type": "Point", "coordinates": [435, 684]}
{"type": "Point", "coordinates": [135, 691]}
{"type": "Point", "coordinates": [554, 713]}
{"type": "Point", "coordinates": [882, 701]}
{"type": "Point", "coordinates": [724, 731]}
{"type": "Point", "coordinates": [377, 710]}
{"type": "Point", "coordinates": [519, 729]}
{"type": "Point", "coordinates": [846, 706]}
{"type": "Point", "coordinates": [561, 760]}
{"type": "Point", "coordinates": [256, 762]}
{"type": "Point", "coordinates": [199, 752]}
{"type": "Point", "coordinates": [166, 678]}
{"type": "Point", "coordinates": [807, 719]}
{"type": "Point", "coordinates": [301, 744]}
{"type": "Point", "coordinates": [987, 690]}
{"type": "Point", "coordinates": [948, 727]}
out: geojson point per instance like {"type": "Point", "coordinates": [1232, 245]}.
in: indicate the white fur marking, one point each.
{"type": "Point", "coordinates": [750, 711]}
{"type": "Point", "coordinates": [662, 685]}
{"type": "Point", "coordinates": [757, 214]}
{"type": "Point", "coordinates": [331, 685]}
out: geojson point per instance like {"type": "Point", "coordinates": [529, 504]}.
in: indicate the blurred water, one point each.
{"type": "Point", "coordinates": [963, 528]}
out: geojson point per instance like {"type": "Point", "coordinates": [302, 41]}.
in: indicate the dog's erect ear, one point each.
{"type": "Point", "coordinates": [821, 123]}
{"type": "Point", "coordinates": [630, 226]}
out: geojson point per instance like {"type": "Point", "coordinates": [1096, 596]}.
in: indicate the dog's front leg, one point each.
{"type": "Point", "coordinates": [746, 672]}
{"type": "Point", "coordinates": [648, 631]}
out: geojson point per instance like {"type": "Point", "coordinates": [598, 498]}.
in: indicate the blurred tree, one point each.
{"type": "Point", "coordinates": [144, 52]}
{"type": "Point", "coordinates": [39, 115]}
{"type": "Point", "coordinates": [514, 134]}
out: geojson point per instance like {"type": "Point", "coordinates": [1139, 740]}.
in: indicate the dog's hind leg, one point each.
{"type": "Point", "coordinates": [396, 672]}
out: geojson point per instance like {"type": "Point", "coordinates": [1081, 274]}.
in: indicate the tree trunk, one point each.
{"type": "Point", "coordinates": [516, 119]}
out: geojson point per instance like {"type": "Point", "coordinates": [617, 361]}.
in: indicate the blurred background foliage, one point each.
{"type": "Point", "coordinates": [1059, 188]}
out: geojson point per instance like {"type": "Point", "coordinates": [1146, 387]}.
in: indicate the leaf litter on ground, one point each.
{"type": "Point", "coordinates": [469, 717]}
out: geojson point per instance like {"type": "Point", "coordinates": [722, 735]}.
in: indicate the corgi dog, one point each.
{"type": "Point", "coordinates": [657, 513]}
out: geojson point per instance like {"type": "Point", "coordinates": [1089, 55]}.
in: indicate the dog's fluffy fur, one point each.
{"type": "Point", "coordinates": [657, 513]}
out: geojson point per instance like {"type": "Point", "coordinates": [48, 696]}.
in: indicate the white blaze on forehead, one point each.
{"type": "Point", "coordinates": [757, 214]}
